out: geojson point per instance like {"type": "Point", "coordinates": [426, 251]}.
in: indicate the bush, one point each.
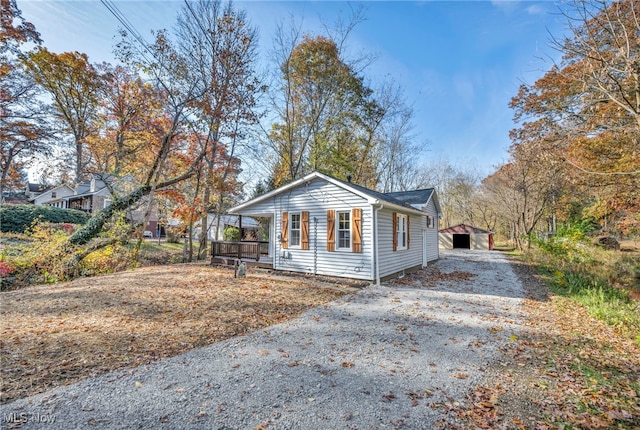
{"type": "Point", "coordinates": [18, 218]}
{"type": "Point", "coordinates": [38, 259]}
{"type": "Point", "coordinates": [231, 234]}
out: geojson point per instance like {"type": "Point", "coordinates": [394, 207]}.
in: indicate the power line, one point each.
{"type": "Point", "coordinates": [128, 26]}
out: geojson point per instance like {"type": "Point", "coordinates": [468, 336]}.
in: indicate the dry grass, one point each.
{"type": "Point", "coordinates": [58, 334]}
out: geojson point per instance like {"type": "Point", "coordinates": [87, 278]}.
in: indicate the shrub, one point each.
{"type": "Point", "coordinates": [110, 259]}
{"type": "Point", "coordinates": [231, 234]}
{"type": "Point", "coordinates": [18, 218]}
{"type": "Point", "coordinates": [40, 259]}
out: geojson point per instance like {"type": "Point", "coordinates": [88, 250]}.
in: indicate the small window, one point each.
{"type": "Point", "coordinates": [402, 231]}
{"type": "Point", "coordinates": [344, 230]}
{"type": "Point", "coordinates": [294, 229]}
{"type": "Point", "coordinates": [107, 202]}
{"type": "Point", "coordinates": [53, 194]}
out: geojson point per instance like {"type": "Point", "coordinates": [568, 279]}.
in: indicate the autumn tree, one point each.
{"type": "Point", "coordinates": [23, 129]}
{"type": "Point", "coordinates": [219, 45]}
{"type": "Point", "coordinates": [128, 115]}
{"type": "Point", "coordinates": [586, 110]}
{"type": "Point", "coordinates": [73, 85]}
{"type": "Point", "coordinates": [522, 192]}
{"type": "Point", "coordinates": [328, 117]}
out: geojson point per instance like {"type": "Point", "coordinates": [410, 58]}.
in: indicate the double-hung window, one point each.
{"type": "Point", "coordinates": [401, 231]}
{"type": "Point", "coordinates": [344, 230]}
{"type": "Point", "coordinates": [294, 229]}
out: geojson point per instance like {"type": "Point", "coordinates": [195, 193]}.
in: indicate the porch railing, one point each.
{"type": "Point", "coordinates": [240, 250]}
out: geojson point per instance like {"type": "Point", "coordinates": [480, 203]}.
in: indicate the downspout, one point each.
{"type": "Point", "coordinates": [274, 239]}
{"type": "Point", "coordinates": [376, 263]}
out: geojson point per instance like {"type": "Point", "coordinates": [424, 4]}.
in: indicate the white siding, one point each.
{"type": "Point", "coordinates": [392, 262]}
{"type": "Point", "coordinates": [60, 192]}
{"type": "Point", "coordinates": [317, 197]}
{"type": "Point", "coordinates": [432, 233]}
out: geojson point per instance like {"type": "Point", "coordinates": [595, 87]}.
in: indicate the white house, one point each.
{"type": "Point", "coordinates": [325, 226]}
{"type": "Point", "coordinates": [54, 196]}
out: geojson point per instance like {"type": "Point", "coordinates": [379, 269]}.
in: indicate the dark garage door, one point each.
{"type": "Point", "coordinates": [462, 241]}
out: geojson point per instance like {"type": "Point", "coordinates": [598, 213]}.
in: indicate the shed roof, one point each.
{"type": "Point", "coordinates": [464, 229]}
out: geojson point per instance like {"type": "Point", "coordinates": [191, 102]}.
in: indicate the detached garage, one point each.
{"type": "Point", "coordinates": [464, 236]}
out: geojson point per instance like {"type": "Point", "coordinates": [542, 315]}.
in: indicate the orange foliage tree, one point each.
{"type": "Point", "coordinates": [586, 110]}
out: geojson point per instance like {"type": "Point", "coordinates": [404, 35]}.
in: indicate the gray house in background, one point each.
{"type": "Point", "coordinates": [322, 225]}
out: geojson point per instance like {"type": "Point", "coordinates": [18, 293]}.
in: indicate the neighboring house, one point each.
{"type": "Point", "coordinates": [33, 190]}
{"type": "Point", "coordinates": [325, 226]}
{"type": "Point", "coordinates": [90, 196]}
{"type": "Point", "coordinates": [464, 236]}
{"type": "Point", "coordinates": [53, 196]}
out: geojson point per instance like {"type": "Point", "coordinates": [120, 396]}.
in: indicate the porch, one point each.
{"type": "Point", "coordinates": [253, 253]}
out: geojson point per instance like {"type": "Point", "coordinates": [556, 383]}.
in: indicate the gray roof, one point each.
{"type": "Point", "coordinates": [414, 197]}
{"type": "Point", "coordinates": [39, 188]}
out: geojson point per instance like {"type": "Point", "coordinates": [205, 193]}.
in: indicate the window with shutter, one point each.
{"type": "Point", "coordinates": [295, 228]}
{"type": "Point", "coordinates": [401, 230]}
{"type": "Point", "coordinates": [344, 230]}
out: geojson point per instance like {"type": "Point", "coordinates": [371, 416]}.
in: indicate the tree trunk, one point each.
{"type": "Point", "coordinates": [97, 222]}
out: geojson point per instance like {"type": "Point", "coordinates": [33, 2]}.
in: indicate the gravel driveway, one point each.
{"type": "Point", "coordinates": [390, 356]}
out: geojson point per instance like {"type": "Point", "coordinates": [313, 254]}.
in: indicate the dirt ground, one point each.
{"type": "Point", "coordinates": [57, 334]}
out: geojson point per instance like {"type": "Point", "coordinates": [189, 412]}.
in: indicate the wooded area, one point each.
{"type": "Point", "coordinates": [183, 117]}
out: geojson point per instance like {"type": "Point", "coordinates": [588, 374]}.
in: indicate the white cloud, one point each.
{"type": "Point", "coordinates": [505, 5]}
{"type": "Point", "coordinates": [535, 9]}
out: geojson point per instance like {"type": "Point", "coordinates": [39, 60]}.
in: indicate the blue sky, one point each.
{"type": "Point", "coordinates": [459, 62]}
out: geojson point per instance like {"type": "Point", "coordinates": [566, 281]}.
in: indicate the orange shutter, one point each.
{"type": "Point", "coordinates": [395, 231]}
{"type": "Point", "coordinates": [408, 230]}
{"type": "Point", "coordinates": [356, 230]}
{"type": "Point", "coordinates": [304, 226]}
{"type": "Point", "coordinates": [285, 230]}
{"type": "Point", "coordinates": [331, 230]}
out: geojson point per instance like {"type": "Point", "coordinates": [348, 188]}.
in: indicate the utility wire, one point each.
{"type": "Point", "coordinates": [128, 26]}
